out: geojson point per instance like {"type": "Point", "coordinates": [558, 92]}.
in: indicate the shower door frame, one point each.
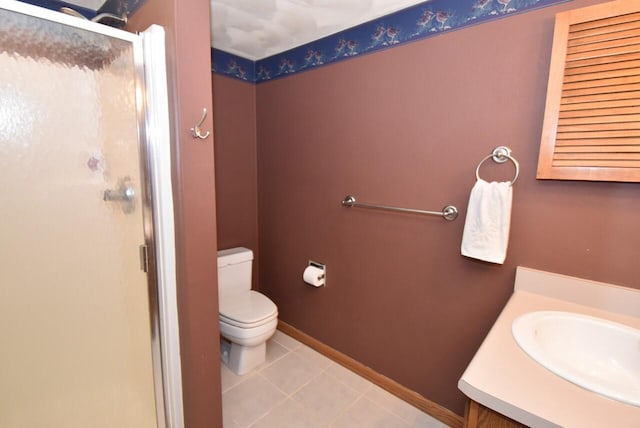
{"type": "Point", "coordinates": [157, 200]}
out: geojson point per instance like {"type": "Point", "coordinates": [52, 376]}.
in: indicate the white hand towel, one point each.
{"type": "Point", "coordinates": [486, 228]}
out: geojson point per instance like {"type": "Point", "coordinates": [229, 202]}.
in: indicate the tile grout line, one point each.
{"type": "Point", "coordinates": [350, 406]}
{"type": "Point", "coordinates": [286, 395]}
{"type": "Point", "coordinates": [363, 391]}
{"type": "Point", "coordinates": [258, 370]}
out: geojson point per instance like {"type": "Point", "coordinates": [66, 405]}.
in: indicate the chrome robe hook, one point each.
{"type": "Point", "coordinates": [196, 131]}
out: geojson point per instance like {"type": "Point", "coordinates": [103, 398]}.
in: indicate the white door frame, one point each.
{"type": "Point", "coordinates": [158, 135]}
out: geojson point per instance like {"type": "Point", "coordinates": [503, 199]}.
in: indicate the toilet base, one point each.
{"type": "Point", "coordinates": [242, 359]}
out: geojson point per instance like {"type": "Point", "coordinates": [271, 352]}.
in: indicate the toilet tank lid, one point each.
{"type": "Point", "coordinates": [234, 256]}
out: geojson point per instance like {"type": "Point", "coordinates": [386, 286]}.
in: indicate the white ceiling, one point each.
{"type": "Point", "coordinates": [256, 29]}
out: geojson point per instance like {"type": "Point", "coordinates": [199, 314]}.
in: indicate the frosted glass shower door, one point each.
{"type": "Point", "coordinates": [75, 346]}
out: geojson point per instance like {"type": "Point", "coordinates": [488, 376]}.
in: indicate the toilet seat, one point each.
{"type": "Point", "coordinates": [246, 309]}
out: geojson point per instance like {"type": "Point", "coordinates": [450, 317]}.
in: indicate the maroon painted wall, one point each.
{"type": "Point", "coordinates": [234, 103]}
{"type": "Point", "coordinates": [187, 27]}
{"type": "Point", "coordinates": [407, 127]}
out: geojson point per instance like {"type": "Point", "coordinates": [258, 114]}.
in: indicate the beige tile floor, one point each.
{"type": "Point", "coordinates": [299, 388]}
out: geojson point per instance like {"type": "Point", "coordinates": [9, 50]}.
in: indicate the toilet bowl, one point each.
{"type": "Point", "coordinates": [247, 318]}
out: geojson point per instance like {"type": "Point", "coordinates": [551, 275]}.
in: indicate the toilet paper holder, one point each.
{"type": "Point", "coordinates": [319, 266]}
{"type": "Point", "coordinates": [323, 268]}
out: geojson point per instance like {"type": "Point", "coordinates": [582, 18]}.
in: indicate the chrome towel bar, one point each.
{"type": "Point", "coordinates": [448, 213]}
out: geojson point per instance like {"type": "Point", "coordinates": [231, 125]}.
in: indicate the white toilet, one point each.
{"type": "Point", "coordinates": [247, 318]}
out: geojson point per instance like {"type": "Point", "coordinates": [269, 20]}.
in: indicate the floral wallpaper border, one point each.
{"type": "Point", "coordinates": [233, 66]}
{"type": "Point", "coordinates": [417, 22]}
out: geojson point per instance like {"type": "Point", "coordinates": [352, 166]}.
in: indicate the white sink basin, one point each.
{"type": "Point", "coordinates": [596, 354]}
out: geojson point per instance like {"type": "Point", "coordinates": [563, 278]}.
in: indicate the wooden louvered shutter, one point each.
{"type": "Point", "coordinates": [591, 125]}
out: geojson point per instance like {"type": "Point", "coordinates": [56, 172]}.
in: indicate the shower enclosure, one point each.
{"type": "Point", "coordinates": [81, 316]}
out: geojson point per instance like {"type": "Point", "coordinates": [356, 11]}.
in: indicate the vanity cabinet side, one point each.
{"type": "Point", "coordinates": [478, 416]}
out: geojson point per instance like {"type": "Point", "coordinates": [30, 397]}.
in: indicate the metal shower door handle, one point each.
{"type": "Point", "coordinates": [125, 194]}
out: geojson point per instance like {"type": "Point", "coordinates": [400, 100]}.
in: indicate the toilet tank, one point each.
{"type": "Point", "coordinates": [234, 269]}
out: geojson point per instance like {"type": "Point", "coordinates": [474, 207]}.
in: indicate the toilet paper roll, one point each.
{"type": "Point", "coordinates": [314, 276]}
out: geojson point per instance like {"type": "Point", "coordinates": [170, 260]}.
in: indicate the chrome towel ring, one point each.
{"type": "Point", "coordinates": [500, 154]}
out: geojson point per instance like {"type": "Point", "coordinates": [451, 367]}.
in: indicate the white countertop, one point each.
{"type": "Point", "coordinates": [503, 378]}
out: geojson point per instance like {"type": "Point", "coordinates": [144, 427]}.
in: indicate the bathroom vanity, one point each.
{"type": "Point", "coordinates": [478, 416]}
{"type": "Point", "coordinates": [508, 388]}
